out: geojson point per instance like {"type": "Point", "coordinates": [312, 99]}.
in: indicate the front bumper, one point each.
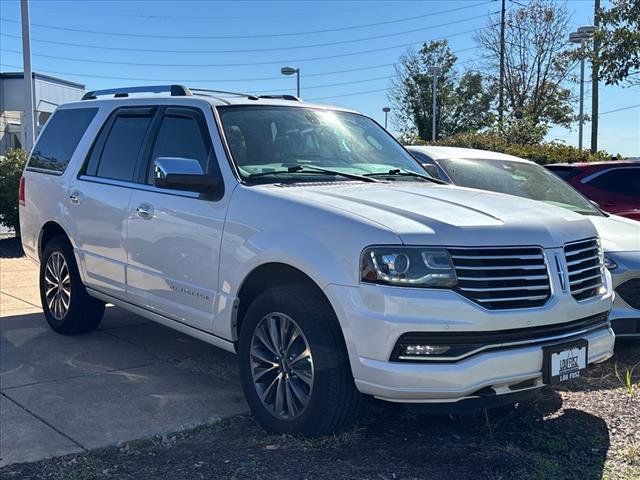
{"type": "Point", "coordinates": [374, 317]}
{"type": "Point", "coordinates": [625, 318]}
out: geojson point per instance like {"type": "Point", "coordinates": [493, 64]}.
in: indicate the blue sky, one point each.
{"type": "Point", "coordinates": [345, 50]}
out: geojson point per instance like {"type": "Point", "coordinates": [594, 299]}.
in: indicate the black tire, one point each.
{"type": "Point", "coordinates": [84, 312]}
{"type": "Point", "coordinates": [334, 400]}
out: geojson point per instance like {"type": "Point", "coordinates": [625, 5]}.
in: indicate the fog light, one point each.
{"type": "Point", "coordinates": [424, 350]}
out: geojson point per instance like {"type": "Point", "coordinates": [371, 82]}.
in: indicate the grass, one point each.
{"type": "Point", "coordinates": [627, 379]}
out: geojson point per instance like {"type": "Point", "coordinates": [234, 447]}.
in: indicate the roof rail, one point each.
{"type": "Point", "coordinates": [226, 92]}
{"type": "Point", "coordinates": [175, 90]}
{"type": "Point", "coordinates": [282, 97]}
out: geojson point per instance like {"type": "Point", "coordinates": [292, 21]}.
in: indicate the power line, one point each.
{"type": "Point", "coordinates": [348, 94]}
{"type": "Point", "coordinates": [209, 65]}
{"type": "Point", "coordinates": [269, 35]}
{"type": "Point", "coordinates": [200, 80]}
{"type": "Point", "coordinates": [194, 17]}
{"type": "Point", "coordinates": [254, 50]}
{"type": "Point", "coordinates": [620, 109]}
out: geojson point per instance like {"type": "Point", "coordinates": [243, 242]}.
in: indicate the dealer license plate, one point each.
{"type": "Point", "coordinates": [564, 362]}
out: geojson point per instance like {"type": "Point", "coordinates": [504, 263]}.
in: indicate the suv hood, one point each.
{"type": "Point", "coordinates": [618, 234]}
{"type": "Point", "coordinates": [421, 213]}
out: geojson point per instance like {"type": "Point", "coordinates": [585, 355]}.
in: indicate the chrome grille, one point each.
{"type": "Point", "coordinates": [584, 264]}
{"type": "Point", "coordinates": [502, 278]}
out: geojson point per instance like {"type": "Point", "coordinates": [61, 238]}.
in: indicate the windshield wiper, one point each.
{"type": "Point", "coordinates": [313, 169]}
{"type": "Point", "coordinates": [406, 173]}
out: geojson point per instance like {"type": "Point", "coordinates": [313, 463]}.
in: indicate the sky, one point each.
{"type": "Point", "coordinates": [345, 50]}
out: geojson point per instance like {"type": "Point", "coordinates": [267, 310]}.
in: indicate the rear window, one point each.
{"type": "Point", "coordinates": [564, 172]}
{"type": "Point", "coordinates": [59, 140]}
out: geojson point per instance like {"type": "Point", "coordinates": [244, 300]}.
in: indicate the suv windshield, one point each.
{"type": "Point", "coordinates": [276, 143]}
{"type": "Point", "coordinates": [517, 178]}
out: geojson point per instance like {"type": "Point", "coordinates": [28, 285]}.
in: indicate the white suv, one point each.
{"type": "Point", "coordinates": [306, 239]}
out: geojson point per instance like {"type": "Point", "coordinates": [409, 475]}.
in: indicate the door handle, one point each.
{"type": "Point", "coordinates": [74, 197]}
{"type": "Point", "coordinates": [145, 211]}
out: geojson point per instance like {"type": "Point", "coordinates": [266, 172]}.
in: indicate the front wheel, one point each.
{"type": "Point", "coordinates": [293, 363]}
{"type": "Point", "coordinates": [67, 306]}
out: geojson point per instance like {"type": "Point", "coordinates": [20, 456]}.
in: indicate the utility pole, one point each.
{"type": "Point", "coordinates": [503, 12]}
{"type": "Point", "coordinates": [594, 79]}
{"type": "Point", "coordinates": [28, 120]}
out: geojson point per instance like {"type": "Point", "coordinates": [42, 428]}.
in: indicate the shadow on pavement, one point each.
{"type": "Point", "coordinates": [11, 248]}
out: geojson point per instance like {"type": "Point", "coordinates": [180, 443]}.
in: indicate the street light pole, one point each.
{"type": "Point", "coordinates": [386, 111]}
{"type": "Point", "coordinates": [291, 71]}
{"type": "Point", "coordinates": [581, 123]}
{"type": "Point", "coordinates": [581, 36]}
{"type": "Point", "coordinates": [434, 72]}
{"type": "Point", "coordinates": [28, 121]}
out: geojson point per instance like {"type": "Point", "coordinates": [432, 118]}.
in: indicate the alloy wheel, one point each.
{"type": "Point", "coordinates": [57, 284]}
{"type": "Point", "coordinates": [281, 366]}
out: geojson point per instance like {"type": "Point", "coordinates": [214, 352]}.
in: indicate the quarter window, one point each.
{"type": "Point", "coordinates": [60, 138]}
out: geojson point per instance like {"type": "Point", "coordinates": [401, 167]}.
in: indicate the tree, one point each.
{"type": "Point", "coordinates": [463, 101]}
{"type": "Point", "coordinates": [619, 37]}
{"type": "Point", "coordinates": [537, 62]}
{"type": "Point", "coordinates": [11, 166]}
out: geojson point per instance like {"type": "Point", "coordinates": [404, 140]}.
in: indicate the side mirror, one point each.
{"type": "Point", "coordinates": [182, 174]}
{"type": "Point", "coordinates": [431, 169]}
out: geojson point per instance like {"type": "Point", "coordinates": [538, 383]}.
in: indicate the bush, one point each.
{"type": "Point", "coordinates": [11, 166]}
{"type": "Point", "coordinates": [541, 153]}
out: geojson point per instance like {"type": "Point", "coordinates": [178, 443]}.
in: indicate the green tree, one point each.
{"type": "Point", "coordinates": [619, 39]}
{"type": "Point", "coordinates": [11, 166]}
{"type": "Point", "coordinates": [537, 63]}
{"type": "Point", "coordinates": [463, 100]}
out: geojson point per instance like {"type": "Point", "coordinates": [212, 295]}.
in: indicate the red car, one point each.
{"type": "Point", "coordinates": [614, 186]}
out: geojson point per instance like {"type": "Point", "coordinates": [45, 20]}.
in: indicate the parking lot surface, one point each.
{"type": "Point", "coordinates": [129, 379]}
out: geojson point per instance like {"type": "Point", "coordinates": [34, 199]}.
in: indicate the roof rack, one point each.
{"type": "Point", "coordinates": [282, 97]}
{"type": "Point", "coordinates": [225, 92]}
{"type": "Point", "coordinates": [175, 90]}
{"type": "Point", "coordinates": [250, 96]}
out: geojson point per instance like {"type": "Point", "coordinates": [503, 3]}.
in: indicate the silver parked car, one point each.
{"type": "Point", "coordinates": [502, 173]}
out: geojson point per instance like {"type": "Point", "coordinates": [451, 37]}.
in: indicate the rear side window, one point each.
{"type": "Point", "coordinates": [59, 140]}
{"type": "Point", "coordinates": [123, 145]}
{"type": "Point", "coordinates": [625, 181]}
{"type": "Point", "coordinates": [120, 144]}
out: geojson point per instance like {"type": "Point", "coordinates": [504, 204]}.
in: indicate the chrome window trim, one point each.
{"type": "Point", "coordinates": [139, 186]}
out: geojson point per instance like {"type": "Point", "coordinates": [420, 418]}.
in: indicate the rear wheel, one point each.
{"type": "Point", "coordinates": [294, 365]}
{"type": "Point", "coordinates": [67, 306]}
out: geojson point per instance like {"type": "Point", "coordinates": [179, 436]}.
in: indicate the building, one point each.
{"type": "Point", "coordinates": [48, 93]}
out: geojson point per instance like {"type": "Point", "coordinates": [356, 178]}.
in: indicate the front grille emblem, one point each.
{"type": "Point", "coordinates": [562, 277]}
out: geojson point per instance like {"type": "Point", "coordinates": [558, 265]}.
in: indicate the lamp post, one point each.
{"type": "Point", "coordinates": [581, 36]}
{"type": "Point", "coordinates": [290, 71]}
{"type": "Point", "coordinates": [434, 72]}
{"type": "Point", "coordinates": [386, 111]}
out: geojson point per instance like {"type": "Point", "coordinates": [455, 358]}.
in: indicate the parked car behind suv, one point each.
{"type": "Point", "coordinates": [307, 240]}
{"type": "Point", "coordinates": [614, 186]}
{"type": "Point", "coordinates": [516, 176]}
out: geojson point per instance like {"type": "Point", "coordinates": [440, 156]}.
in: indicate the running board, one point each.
{"type": "Point", "coordinates": [166, 321]}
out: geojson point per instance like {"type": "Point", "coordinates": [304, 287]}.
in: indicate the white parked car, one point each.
{"type": "Point", "coordinates": [307, 240]}
{"type": "Point", "coordinates": [502, 173]}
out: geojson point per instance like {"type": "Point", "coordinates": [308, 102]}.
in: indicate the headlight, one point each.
{"type": "Point", "coordinates": [408, 266]}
